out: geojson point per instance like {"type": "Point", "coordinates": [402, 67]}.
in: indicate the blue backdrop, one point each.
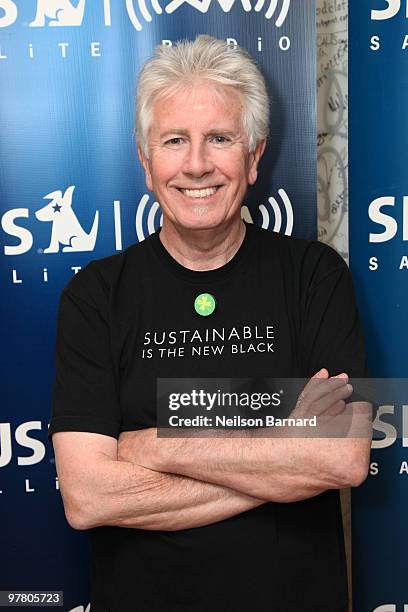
{"type": "Point", "coordinates": [378, 255]}
{"type": "Point", "coordinates": [68, 74]}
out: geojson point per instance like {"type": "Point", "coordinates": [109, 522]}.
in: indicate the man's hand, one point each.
{"type": "Point", "coordinates": [323, 395]}
{"type": "Point", "coordinates": [324, 398]}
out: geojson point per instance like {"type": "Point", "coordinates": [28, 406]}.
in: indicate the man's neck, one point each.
{"type": "Point", "coordinates": [205, 249]}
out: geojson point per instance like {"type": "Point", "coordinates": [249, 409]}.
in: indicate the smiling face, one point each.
{"type": "Point", "coordinates": [199, 166]}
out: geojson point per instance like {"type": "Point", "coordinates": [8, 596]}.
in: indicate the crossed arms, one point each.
{"type": "Point", "coordinates": [146, 482]}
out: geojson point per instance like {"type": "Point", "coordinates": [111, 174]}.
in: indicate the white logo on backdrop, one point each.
{"type": "Point", "coordinates": [203, 6]}
{"type": "Point", "coordinates": [59, 12]}
{"type": "Point", "coordinates": [66, 229]}
{"type": "Point", "coordinates": [388, 221]}
{"type": "Point", "coordinates": [10, 439]}
{"type": "Point", "coordinates": [274, 221]}
{"type": "Point", "coordinates": [153, 217]}
{"type": "Point", "coordinates": [278, 215]}
{"type": "Point", "coordinates": [390, 608]}
{"type": "Point", "coordinates": [393, 7]}
{"type": "Point", "coordinates": [68, 235]}
{"type": "Point", "coordinates": [81, 609]}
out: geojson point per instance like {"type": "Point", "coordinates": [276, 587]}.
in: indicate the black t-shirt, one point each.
{"type": "Point", "coordinates": [128, 319]}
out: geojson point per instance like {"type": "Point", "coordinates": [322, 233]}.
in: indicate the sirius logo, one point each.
{"type": "Point", "coordinates": [393, 7]}
{"type": "Point", "coordinates": [390, 424]}
{"type": "Point", "coordinates": [53, 12]}
{"type": "Point", "coordinates": [390, 229]}
{"type": "Point", "coordinates": [66, 229]}
{"type": "Point", "coordinates": [66, 13]}
{"type": "Point", "coordinates": [390, 432]}
{"type": "Point", "coordinates": [59, 12]}
{"type": "Point", "coordinates": [68, 235]}
{"type": "Point", "coordinates": [386, 220]}
{"type": "Point", "coordinates": [24, 440]}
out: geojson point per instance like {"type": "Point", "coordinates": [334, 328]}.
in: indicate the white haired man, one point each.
{"type": "Point", "coordinates": [204, 524]}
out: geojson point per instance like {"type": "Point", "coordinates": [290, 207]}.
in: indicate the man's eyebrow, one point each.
{"type": "Point", "coordinates": [174, 131]}
{"type": "Point", "coordinates": [212, 132]}
{"type": "Point", "coordinates": [221, 132]}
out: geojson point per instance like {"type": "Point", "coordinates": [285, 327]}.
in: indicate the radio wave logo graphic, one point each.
{"type": "Point", "coordinates": [272, 8]}
{"type": "Point", "coordinates": [271, 215]}
{"type": "Point", "coordinates": [149, 219]}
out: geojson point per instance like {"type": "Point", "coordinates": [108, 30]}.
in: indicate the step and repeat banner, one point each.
{"type": "Point", "coordinates": [68, 73]}
{"type": "Point", "coordinates": [378, 63]}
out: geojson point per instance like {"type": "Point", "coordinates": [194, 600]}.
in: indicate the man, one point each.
{"type": "Point", "coordinates": [211, 524]}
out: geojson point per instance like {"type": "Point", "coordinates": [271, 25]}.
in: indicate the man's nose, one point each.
{"type": "Point", "coordinates": [198, 160]}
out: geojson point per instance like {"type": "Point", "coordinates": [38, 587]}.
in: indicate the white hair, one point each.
{"type": "Point", "coordinates": [173, 67]}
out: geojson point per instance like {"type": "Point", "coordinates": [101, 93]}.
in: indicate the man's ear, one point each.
{"type": "Point", "coordinates": [254, 158]}
{"type": "Point", "coordinates": [146, 167]}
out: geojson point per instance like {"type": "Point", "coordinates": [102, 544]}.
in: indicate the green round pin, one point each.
{"type": "Point", "coordinates": [204, 304]}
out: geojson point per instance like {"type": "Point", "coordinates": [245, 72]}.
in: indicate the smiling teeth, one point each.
{"type": "Point", "coordinates": [199, 193]}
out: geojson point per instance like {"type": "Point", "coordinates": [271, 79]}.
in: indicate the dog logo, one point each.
{"type": "Point", "coordinates": [59, 12]}
{"type": "Point", "coordinates": [66, 229]}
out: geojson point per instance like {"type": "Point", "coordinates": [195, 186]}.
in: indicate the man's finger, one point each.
{"type": "Point", "coordinates": [317, 388]}
{"type": "Point", "coordinates": [325, 403]}
{"type": "Point", "coordinates": [323, 373]}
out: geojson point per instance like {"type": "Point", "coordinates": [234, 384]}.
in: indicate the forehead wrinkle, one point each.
{"type": "Point", "coordinates": [172, 108]}
{"type": "Point", "coordinates": [202, 117]}
{"type": "Point", "coordinates": [220, 94]}
{"type": "Point", "coordinates": [211, 96]}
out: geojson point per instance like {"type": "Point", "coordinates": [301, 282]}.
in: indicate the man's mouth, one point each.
{"type": "Point", "coordinates": [199, 193]}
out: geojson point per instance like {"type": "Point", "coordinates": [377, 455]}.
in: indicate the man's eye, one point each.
{"type": "Point", "coordinates": [174, 141]}
{"type": "Point", "coordinates": [220, 139]}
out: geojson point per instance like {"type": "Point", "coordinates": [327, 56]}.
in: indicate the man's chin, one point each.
{"type": "Point", "coordinates": [200, 218]}
{"type": "Point", "coordinates": [199, 210]}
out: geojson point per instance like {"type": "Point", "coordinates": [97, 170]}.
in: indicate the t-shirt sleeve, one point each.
{"type": "Point", "coordinates": [85, 395]}
{"type": "Point", "coordinates": [331, 331]}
